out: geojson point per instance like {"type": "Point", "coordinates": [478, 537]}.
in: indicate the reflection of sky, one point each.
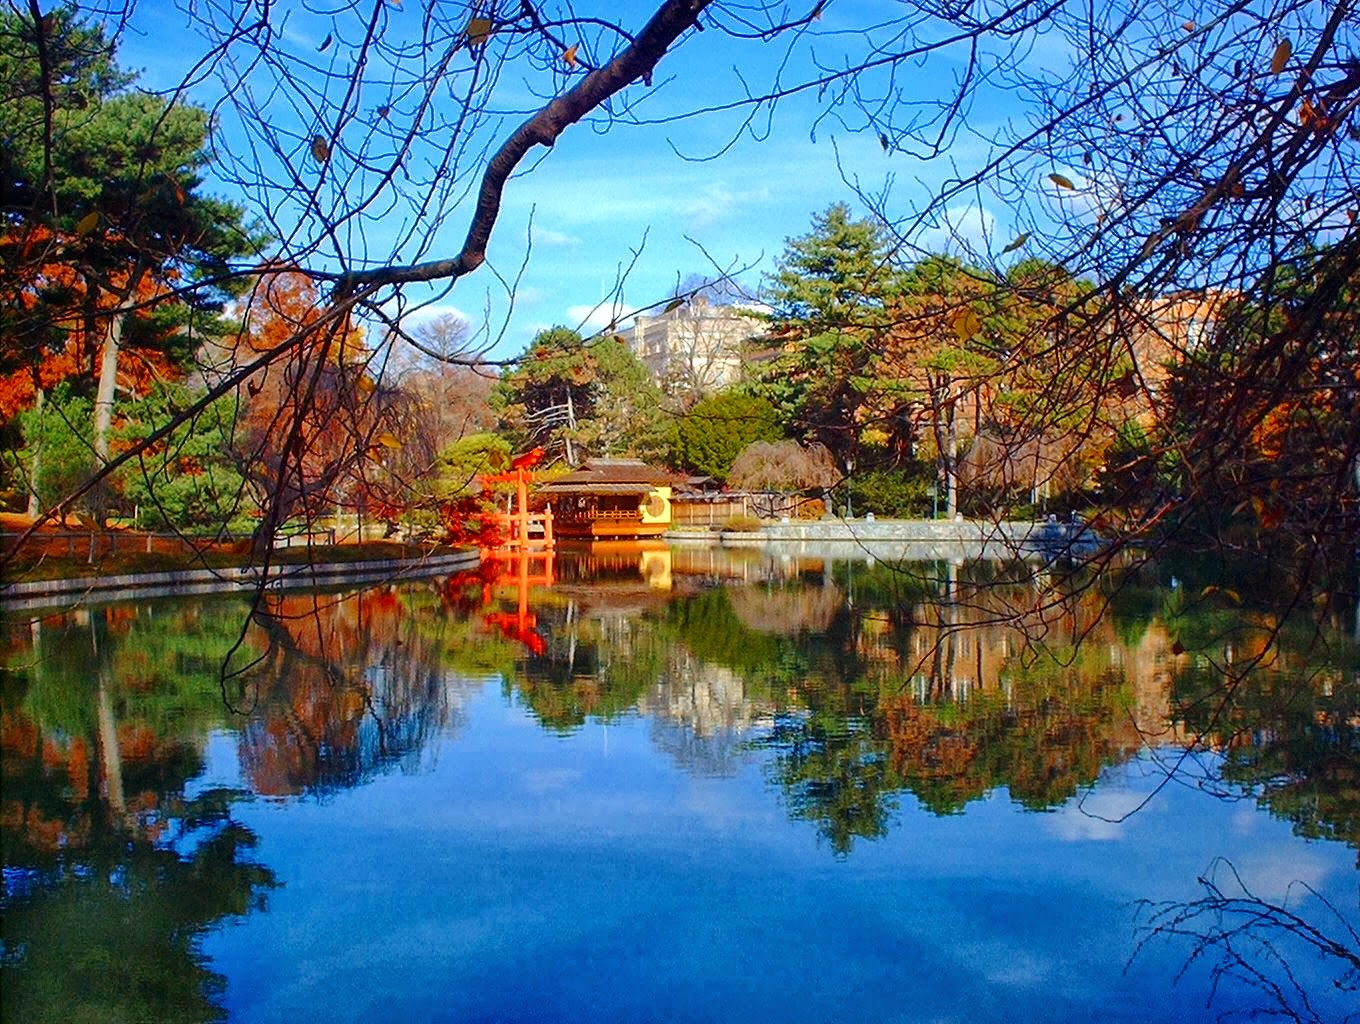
{"type": "Point", "coordinates": [531, 876]}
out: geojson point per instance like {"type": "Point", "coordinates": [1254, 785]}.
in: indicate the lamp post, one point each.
{"type": "Point", "coordinates": [934, 493]}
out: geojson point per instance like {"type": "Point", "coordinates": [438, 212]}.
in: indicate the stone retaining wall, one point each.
{"type": "Point", "coordinates": [46, 593]}
{"type": "Point", "coordinates": [923, 538]}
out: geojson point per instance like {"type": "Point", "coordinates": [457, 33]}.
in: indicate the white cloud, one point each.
{"type": "Point", "coordinates": [588, 318]}
{"type": "Point", "coordinates": [1099, 817]}
{"type": "Point", "coordinates": [1282, 874]}
{"type": "Point", "coordinates": [961, 231]}
{"type": "Point", "coordinates": [717, 202]}
{"type": "Point", "coordinates": [554, 239]}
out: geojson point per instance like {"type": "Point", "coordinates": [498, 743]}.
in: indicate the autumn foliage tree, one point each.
{"type": "Point", "coordinates": [315, 425]}
{"type": "Point", "coordinates": [115, 260]}
{"type": "Point", "coordinates": [1287, 376]}
{"type": "Point", "coordinates": [1151, 151]}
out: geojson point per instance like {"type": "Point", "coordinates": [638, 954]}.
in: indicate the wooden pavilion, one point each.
{"type": "Point", "coordinates": [611, 498]}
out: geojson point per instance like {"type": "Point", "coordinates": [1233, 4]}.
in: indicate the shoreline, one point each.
{"type": "Point", "coordinates": [885, 538]}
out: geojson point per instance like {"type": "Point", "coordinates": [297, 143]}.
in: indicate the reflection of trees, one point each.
{"type": "Point", "coordinates": [834, 773]}
{"type": "Point", "coordinates": [787, 609]}
{"type": "Point", "coordinates": [113, 874]}
{"type": "Point", "coordinates": [711, 630]}
{"type": "Point", "coordinates": [1278, 700]}
{"type": "Point", "coordinates": [159, 663]}
{"type": "Point", "coordinates": [714, 753]}
{"type": "Point", "coordinates": [950, 682]}
{"type": "Point", "coordinates": [111, 931]}
{"type": "Point", "coordinates": [594, 665]}
{"type": "Point", "coordinates": [1272, 689]}
{"type": "Point", "coordinates": [700, 715]}
{"type": "Point", "coordinates": [926, 680]}
{"type": "Point", "coordinates": [352, 685]}
{"type": "Point", "coordinates": [1042, 745]}
{"type": "Point", "coordinates": [104, 714]}
{"type": "Point", "coordinates": [1286, 725]}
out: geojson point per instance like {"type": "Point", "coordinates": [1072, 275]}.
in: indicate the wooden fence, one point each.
{"type": "Point", "coordinates": [714, 509]}
{"type": "Point", "coordinates": [93, 544]}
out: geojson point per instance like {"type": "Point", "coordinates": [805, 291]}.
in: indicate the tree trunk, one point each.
{"type": "Point", "coordinates": [951, 619]}
{"type": "Point", "coordinates": [35, 467]}
{"type": "Point", "coordinates": [108, 363]}
{"type": "Point", "coordinates": [111, 760]}
{"type": "Point", "coordinates": [942, 426]}
{"type": "Point", "coordinates": [108, 381]}
{"type": "Point", "coordinates": [110, 757]}
{"type": "Point", "coordinates": [951, 466]}
{"type": "Point", "coordinates": [571, 427]}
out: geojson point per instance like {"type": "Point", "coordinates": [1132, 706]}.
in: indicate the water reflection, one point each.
{"type": "Point", "coordinates": [345, 688]}
{"type": "Point", "coordinates": [861, 692]}
{"type": "Point", "coordinates": [852, 683]}
{"type": "Point", "coordinates": [114, 871]}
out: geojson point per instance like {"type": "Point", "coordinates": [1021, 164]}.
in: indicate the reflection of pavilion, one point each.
{"type": "Point", "coordinates": [610, 564]}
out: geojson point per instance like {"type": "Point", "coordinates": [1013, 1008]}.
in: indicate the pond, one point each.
{"type": "Point", "coordinates": [653, 784]}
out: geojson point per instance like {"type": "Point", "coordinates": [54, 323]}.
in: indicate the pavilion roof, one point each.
{"type": "Point", "coordinates": [609, 476]}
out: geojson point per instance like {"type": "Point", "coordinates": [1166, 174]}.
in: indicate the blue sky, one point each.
{"type": "Point", "coordinates": [599, 198]}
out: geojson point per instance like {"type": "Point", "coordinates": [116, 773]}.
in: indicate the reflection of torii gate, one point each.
{"type": "Point", "coordinates": [517, 525]}
{"type": "Point", "coordinates": [524, 568]}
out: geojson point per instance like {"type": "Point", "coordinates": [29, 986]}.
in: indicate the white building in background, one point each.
{"type": "Point", "coordinates": [696, 348]}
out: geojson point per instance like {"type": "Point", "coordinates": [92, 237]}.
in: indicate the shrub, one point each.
{"type": "Point", "coordinates": [710, 436]}
{"type": "Point", "coordinates": [741, 524]}
{"type": "Point", "coordinates": [890, 492]}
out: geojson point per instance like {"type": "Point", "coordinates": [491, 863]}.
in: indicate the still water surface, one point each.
{"type": "Point", "coordinates": [684, 786]}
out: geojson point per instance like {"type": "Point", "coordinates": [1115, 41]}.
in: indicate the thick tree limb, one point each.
{"type": "Point", "coordinates": [636, 61]}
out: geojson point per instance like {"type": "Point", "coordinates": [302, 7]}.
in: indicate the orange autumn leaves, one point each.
{"type": "Point", "coordinates": [285, 309]}
{"type": "Point", "coordinates": [53, 326]}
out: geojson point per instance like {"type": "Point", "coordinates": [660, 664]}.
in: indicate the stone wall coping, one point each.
{"type": "Point", "coordinates": [229, 579]}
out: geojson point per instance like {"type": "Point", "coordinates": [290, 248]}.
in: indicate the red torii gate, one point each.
{"type": "Point", "coordinates": [517, 522]}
